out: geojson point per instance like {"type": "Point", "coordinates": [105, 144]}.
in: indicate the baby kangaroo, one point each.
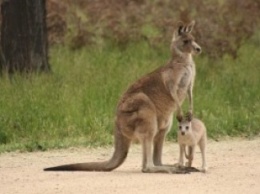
{"type": "Point", "coordinates": [192, 132]}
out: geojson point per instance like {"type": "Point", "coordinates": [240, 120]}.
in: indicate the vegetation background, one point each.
{"type": "Point", "coordinates": [98, 48]}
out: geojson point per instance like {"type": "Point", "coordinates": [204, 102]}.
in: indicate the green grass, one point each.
{"type": "Point", "coordinates": [227, 94]}
{"type": "Point", "coordinates": [75, 105]}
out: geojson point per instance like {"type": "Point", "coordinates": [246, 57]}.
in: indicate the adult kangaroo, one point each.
{"type": "Point", "coordinates": [145, 111]}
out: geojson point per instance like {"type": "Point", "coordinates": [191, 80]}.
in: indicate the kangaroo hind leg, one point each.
{"type": "Point", "coordinates": [159, 141]}
{"type": "Point", "coordinates": [146, 140]}
{"type": "Point", "coordinates": [158, 147]}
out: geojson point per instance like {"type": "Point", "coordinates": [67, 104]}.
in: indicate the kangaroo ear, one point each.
{"type": "Point", "coordinates": [180, 28]}
{"type": "Point", "coordinates": [190, 26]}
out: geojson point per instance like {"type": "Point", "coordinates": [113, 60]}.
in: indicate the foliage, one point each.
{"type": "Point", "coordinates": [222, 26]}
{"type": "Point", "coordinates": [75, 105]}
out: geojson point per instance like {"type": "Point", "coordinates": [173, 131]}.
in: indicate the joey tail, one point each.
{"type": "Point", "coordinates": [122, 145]}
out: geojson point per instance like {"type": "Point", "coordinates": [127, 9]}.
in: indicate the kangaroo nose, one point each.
{"type": "Point", "coordinates": [183, 133]}
{"type": "Point", "coordinates": [198, 49]}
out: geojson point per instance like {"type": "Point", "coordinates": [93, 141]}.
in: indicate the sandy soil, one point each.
{"type": "Point", "coordinates": [234, 167]}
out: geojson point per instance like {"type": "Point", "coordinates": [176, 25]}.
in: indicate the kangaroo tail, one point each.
{"type": "Point", "coordinates": [122, 145]}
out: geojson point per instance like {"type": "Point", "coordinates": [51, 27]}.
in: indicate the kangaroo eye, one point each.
{"type": "Point", "coordinates": [180, 127]}
{"type": "Point", "coordinates": [186, 41]}
{"type": "Point", "coordinates": [187, 127]}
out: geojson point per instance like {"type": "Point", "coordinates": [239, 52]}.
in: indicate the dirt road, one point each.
{"type": "Point", "coordinates": [234, 167]}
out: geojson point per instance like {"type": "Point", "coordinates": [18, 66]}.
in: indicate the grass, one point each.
{"type": "Point", "coordinates": [228, 94]}
{"type": "Point", "coordinates": [75, 105]}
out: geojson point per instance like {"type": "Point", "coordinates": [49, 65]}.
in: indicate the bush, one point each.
{"type": "Point", "coordinates": [222, 26]}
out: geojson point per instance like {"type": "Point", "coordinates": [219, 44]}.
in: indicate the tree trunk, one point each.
{"type": "Point", "coordinates": [24, 46]}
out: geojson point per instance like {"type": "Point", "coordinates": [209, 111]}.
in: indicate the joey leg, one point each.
{"type": "Point", "coordinates": [181, 156]}
{"type": "Point", "coordinates": [191, 152]}
{"type": "Point", "coordinates": [202, 146]}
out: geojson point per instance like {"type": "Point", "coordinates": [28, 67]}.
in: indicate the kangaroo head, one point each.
{"type": "Point", "coordinates": [183, 42]}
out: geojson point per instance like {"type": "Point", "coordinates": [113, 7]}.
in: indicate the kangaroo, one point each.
{"type": "Point", "coordinates": [192, 132]}
{"type": "Point", "coordinates": [145, 110]}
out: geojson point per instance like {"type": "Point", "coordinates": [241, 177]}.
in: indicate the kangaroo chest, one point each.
{"type": "Point", "coordinates": [186, 80]}
{"type": "Point", "coordinates": [186, 77]}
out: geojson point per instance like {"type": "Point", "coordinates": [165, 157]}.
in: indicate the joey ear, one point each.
{"type": "Point", "coordinates": [179, 118]}
{"type": "Point", "coordinates": [189, 116]}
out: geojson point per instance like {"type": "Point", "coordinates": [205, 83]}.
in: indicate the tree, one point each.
{"type": "Point", "coordinates": [24, 46]}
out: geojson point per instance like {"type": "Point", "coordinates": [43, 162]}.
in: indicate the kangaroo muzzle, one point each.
{"type": "Point", "coordinates": [196, 47]}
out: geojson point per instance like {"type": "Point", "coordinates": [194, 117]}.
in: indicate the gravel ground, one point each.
{"type": "Point", "coordinates": [234, 167]}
